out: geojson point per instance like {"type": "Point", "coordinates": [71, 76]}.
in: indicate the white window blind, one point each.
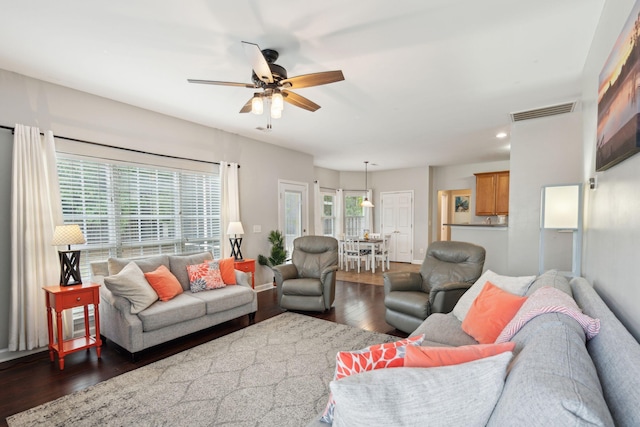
{"type": "Point", "coordinates": [130, 210]}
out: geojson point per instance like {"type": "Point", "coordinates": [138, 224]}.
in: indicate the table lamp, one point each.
{"type": "Point", "coordinates": [235, 228]}
{"type": "Point", "coordinates": [69, 260]}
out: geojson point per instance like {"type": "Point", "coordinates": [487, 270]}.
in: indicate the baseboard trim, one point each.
{"type": "Point", "coordinates": [264, 287]}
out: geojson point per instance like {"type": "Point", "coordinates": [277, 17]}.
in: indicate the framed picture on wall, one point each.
{"type": "Point", "coordinates": [462, 203]}
{"type": "Point", "coordinates": [619, 98]}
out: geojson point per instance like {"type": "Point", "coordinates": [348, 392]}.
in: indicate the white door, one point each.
{"type": "Point", "coordinates": [397, 219]}
{"type": "Point", "coordinates": [292, 211]}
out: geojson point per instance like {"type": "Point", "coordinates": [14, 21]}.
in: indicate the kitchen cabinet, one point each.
{"type": "Point", "coordinates": [492, 193]}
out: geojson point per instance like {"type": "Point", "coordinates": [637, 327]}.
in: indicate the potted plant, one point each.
{"type": "Point", "coordinates": [278, 253]}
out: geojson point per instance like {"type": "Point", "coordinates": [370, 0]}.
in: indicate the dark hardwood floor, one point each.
{"type": "Point", "coordinates": [33, 380]}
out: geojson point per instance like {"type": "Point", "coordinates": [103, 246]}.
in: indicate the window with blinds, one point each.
{"type": "Point", "coordinates": [129, 210]}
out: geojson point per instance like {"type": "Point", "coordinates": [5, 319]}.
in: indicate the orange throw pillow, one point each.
{"type": "Point", "coordinates": [164, 283]}
{"type": "Point", "coordinates": [490, 312]}
{"type": "Point", "coordinates": [431, 357]}
{"type": "Point", "coordinates": [227, 270]}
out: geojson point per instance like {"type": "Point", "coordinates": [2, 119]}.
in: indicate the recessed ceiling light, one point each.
{"type": "Point", "coordinates": [501, 135]}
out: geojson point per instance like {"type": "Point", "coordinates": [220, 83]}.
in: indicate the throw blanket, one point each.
{"type": "Point", "coordinates": [549, 300]}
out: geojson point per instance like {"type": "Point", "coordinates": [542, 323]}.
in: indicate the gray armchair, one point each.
{"type": "Point", "coordinates": [448, 270]}
{"type": "Point", "coordinates": [309, 282]}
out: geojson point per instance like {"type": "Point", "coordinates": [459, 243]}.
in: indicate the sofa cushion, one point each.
{"type": "Point", "coordinates": [552, 378]}
{"type": "Point", "coordinates": [431, 357]}
{"type": "Point", "coordinates": [553, 279]}
{"type": "Point", "coordinates": [147, 264]}
{"type": "Point", "coordinates": [178, 266]}
{"type": "Point", "coordinates": [515, 285]}
{"type": "Point", "coordinates": [413, 303]}
{"type": "Point", "coordinates": [181, 308]}
{"type": "Point", "coordinates": [164, 283]}
{"type": "Point", "coordinates": [131, 284]}
{"type": "Point", "coordinates": [490, 312]}
{"type": "Point", "coordinates": [226, 298]}
{"type": "Point", "coordinates": [304, 287]}
{"type": "Point", "coordinates": [444, 329]}
{"type": "Point", "coordinates": [460, 395]}
{"type": "Point", "coordinates": [388, 355]}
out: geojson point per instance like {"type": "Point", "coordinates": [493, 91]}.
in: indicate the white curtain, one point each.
{"type": "Point", "coordinates": [35, 210]}
{"type": "Point", "coordinates": [340, 214]}
{"type": "Point", "coordinates": [318, 229]}
{"type": "Point", "coordinates": [230, 201]}
{"type": "Point", "coordinates": [368, 212]}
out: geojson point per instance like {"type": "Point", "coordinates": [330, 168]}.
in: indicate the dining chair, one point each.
{"type": "Point", "coordinates": [353, 253]}
{"type": "Point", "coordinates": [382, 252]}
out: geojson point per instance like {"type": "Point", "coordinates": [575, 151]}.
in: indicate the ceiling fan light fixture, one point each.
{"type": "Point", "coordinates": [257, 106]}
{"type": "Point", "coordinates": [275, 112]}
{"type": "Point", "coordinates": [277, 101]}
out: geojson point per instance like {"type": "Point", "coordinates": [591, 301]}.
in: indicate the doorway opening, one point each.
{"type": "Point", "coordinates": [453, 208]}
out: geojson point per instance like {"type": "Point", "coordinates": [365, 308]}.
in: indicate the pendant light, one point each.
{"type": "Point", "coordinates": [366, 203]}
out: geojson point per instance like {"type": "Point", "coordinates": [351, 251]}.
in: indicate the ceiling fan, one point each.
{"type": "Point", "coordinates": [274, 82]}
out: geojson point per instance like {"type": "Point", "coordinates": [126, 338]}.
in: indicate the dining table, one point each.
{"type": "Point", "coordinates": [372, 245]}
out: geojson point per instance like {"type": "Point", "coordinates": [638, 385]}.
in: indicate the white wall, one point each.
{"type": "Point", "coordinates": [544, 151]}
{"type": "Point", "coordinates": [612, 222]}
{"type": "Point", "coordinates": [75, 114]}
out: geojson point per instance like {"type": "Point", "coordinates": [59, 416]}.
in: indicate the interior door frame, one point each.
{"type": "Point", "coordinates": [303, 187]}
{"type": "Point", "coordinates": [411, 234]}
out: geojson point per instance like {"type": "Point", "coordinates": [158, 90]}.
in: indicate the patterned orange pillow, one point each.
{"type": "Point", "coordinates": [388, 355]}
{"type": "Point", "coordinates": [205, 276]}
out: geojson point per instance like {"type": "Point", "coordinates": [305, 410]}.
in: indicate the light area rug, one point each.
{"type": "Point", "coordinates": [273, 373]}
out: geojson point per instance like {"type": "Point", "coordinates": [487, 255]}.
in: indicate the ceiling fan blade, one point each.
{"type": "Point", "coordinates": [258, 63]}
{"type": "Point", "coordinates": [213, 82]}
{"type": "Point", "coordinates": [299, 101]}
{"type": "Point", "coordinates": [247, 107]}
{"type": "Point", "coordinates": [314, 79]}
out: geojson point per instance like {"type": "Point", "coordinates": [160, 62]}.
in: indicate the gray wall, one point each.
{"type": "Point", "coordinates": [612, 232]}
{"type": "Point", "coordinates": [544, 151]}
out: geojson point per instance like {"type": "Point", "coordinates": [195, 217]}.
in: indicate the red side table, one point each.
{"type": "Point", "coordinates": [248, 266]}
{"type": "Point", "coordinates": [60, 298]}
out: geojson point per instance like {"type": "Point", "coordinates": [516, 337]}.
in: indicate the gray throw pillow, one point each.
{"type": "Point", "coordinates": [458, 395]}
{"type": "Point", "coordinates": [131, 284]}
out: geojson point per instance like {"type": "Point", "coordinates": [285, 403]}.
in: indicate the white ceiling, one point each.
{"type": "Point", "coordinates": [427, 82]}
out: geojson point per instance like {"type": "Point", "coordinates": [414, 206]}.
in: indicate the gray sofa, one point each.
{"type": "Point", "coordinates": [164, 321]}
{"type": "Point", "coordinates": [556, 377]}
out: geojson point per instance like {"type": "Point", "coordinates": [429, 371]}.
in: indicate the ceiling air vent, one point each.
{"type": "Point", "coordinates": [553, 110]}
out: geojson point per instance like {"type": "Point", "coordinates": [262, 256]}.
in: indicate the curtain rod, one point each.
{"type": "Point", "coordinates": [12, 129]}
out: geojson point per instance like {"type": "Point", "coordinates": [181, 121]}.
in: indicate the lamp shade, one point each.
{"type": "Point", "coordinates": [257, 106]}
{"type": "Point", "coordinates": [68, 235]}
{"type": "Point", "coordinates": [561, 207]}
{"type": "Point", "coordinates": [235, 227]}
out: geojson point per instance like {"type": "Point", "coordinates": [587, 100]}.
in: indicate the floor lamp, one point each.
{"type": "Point", "coordinates": [561, 210]}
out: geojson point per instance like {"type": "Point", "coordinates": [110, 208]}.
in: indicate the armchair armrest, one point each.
{"type": "Point", "coordinates": [443, 297]}
{"type": "Point", "coordinates": [402, 281]}
{"type": "Point", "coordinates": [284, 272]}
{"type": "Point", "coordinates": [326, 271]}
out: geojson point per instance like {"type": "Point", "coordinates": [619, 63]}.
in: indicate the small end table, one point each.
{"type": "Point", "coordinates": [60, 298]}
{"type": "Point", "coordinates": [248, 266]}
